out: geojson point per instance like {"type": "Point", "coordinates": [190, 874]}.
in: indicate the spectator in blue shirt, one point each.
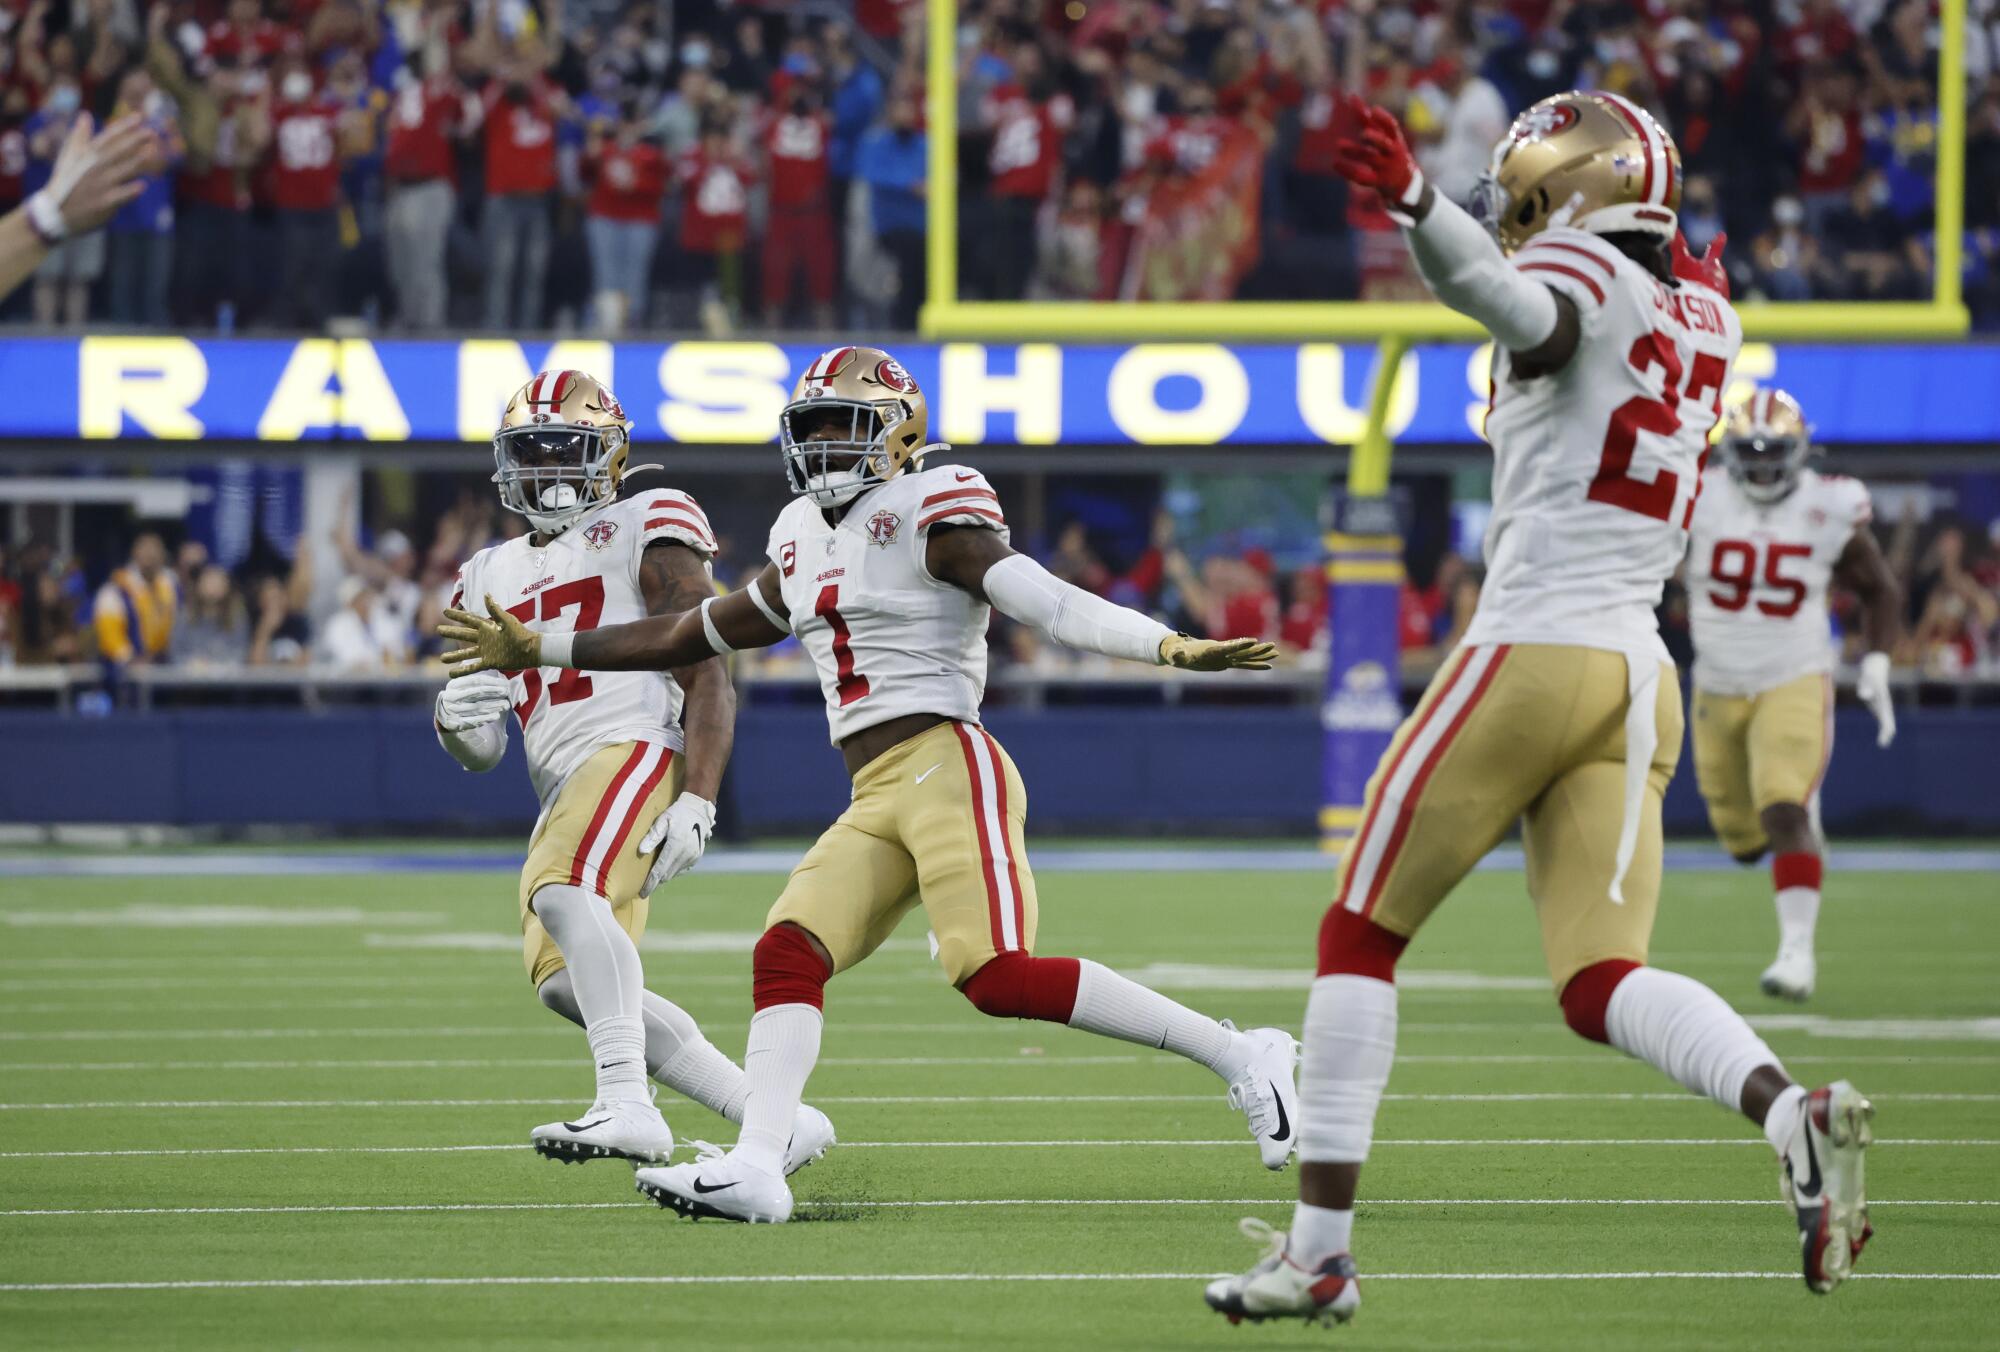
{"type": "Point", "coordinates": [891, 161]}
{"type": "Point", "coordinates": [855, 101]}
{"type": "Point", "coordinates": [141, 235]}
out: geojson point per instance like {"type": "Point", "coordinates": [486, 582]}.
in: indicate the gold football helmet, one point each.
{"type": "Point", "coordinates": [1589, 159]}
{"type": "Point", "coordinates": [1765, 444]}
{"type": "Point", "coordinates": [561, 449]}
{"type": "Point", "coordinates": [854, 421]}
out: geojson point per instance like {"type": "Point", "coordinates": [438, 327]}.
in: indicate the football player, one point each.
{"type": "Point", "coordinates": [1769, 534]}
{"type": "Point", "coordinates": [887, 571]}
{"type": "Point", "coordinates": [1560, 709]}
{"type": "Point", "coordinates": [625, 764]}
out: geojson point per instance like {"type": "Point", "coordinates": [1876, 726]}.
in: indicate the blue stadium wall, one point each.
{"type": "Point", "coordinates": [1143, 771]}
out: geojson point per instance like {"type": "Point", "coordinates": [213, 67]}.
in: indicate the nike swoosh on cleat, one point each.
{"type": "Point", "coordinates": [584, 1126]}
{"type": "Point", "coordinates": [1284, 1122]}
{"type": "Point", "coordinates": [1812, 1188]}
{"type": "Point", "coordinates": [706, 1188]}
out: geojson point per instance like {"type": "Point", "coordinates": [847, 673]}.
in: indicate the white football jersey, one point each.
{"type": "Point", "coordinates": [887, 638]}
{"type": "Point", "coordinates": [586, 577]}
{"type": "Point", "coordinates": [1757, 576]}
{"type": "Point", "coordinates": [1597, 466]}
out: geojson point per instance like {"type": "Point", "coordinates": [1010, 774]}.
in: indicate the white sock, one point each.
{"type": "Point", "coordinates": [1783, 1118]}
{"type": "Point", "coordinates": [1318, 1233]}
{"type": "Point", "coordinates": [1798, 913]}
{"type": "Point", "coordinates": [784, 1044]}
{"type": "Point", "coordinates": [1349, 1046]}
{"type": "Point", "coordinates": [1111, 1006]}
{"type": "Point", "coordinates": [677, 1055]}
{"type": "Point", "coordinates": [607, 981]}
{"type": "Point", "coordinates": [1680, 1026]}
{"type": "Point", "coordinates": [703, 1074]}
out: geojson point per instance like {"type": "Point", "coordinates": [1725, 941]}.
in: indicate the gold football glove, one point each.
{"type": "Point", "coordinates": [501, 643]}
{"type": "Point", "coordinates": [1202, 654]}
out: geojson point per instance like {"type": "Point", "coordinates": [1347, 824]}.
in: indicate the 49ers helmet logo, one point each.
{"type": "Point", "coordinates": [890, 372]}
{"type": "Point", "coordinates": [1544, 120]}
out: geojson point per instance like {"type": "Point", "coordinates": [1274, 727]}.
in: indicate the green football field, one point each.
{"type": "Point", "coordinates": [247, 1110]}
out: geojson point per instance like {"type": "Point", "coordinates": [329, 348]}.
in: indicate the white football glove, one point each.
{"type": "Point", "coordinates": [469, 702]}
{"type": "Point", "coordinates": [1872, 688]}
{"type": "Point", "coordinates": [680, 834]}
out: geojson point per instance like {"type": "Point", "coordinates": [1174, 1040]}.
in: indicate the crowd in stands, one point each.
{"type": "Point", "coordinates": [171, 600]}
{"type": "Point", "coordinates": [498, 164]}
{"type": "Point", "coordinates": [519, 164]}
{"type": "Point", "coordinates": [1177, 149]}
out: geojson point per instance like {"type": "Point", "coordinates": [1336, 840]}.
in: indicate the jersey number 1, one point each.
{"type": "Point", "coordinates": [850, 684]}
{"type": "Point", "coordinates": [586, 595]}
{"type": "Point", "coordinates": [1614, 483]}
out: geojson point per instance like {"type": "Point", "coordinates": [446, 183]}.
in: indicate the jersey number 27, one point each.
{"type": "Point", "coordinates": [586, 596]}
{"type": "Point", "coordinates": [1614, 483]}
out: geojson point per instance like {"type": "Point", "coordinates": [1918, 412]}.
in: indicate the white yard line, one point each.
{"type": "Point", "coordinates": [558, 1062]}
{"type": "Point", "coordinates": [1233, 1142]}
{"type": "Point", "coordinates": [951, 1202]}
{"type": "Point", "coordinates": [1030, 1060]}
{"type": "Point", "coordinates": [900, 1278]}
{"type": "Point", "coordinates": [100, 1105]}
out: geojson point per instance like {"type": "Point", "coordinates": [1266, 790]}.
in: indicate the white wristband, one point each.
{"type": "Point", "coordinates": [708, 629]}
{"type": "Point", "coordinates": [46, 218]}
{"type": "Point", "coordinates": [556, 650]}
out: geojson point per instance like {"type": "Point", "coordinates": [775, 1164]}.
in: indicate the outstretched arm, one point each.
{"type": "Point", "coordinates": [750, 618]}
{"type": "Point", "coordinates": [977, 560]}
{"type": "Point", "coordinates": [1459, 260]}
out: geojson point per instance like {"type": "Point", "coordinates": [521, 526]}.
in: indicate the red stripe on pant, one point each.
{"type": "Point", "coordinates": [985, 841]}
{"type": "Point", "coordinates": [1388, 772]}
{"type": "Point", "coordinates": [646, 787]}
{"type": "Point", "coordinates": [1007, 841]}
{"type": "Point", "coordinates": [1416, 793]}
{"type": "Point", "coordinates": [582, 860]}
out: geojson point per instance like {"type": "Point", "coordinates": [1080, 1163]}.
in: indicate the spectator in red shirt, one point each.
{"type": "Point", "coordinates": [243, 36]}
{"type": "Point", "coordinates": [521, 105]}
{"type": "Point", "coordinates": [715, 203]}
{"type": "Point", "coordinates": [1027, 128]}
{"type": "Point", "coordinates": [798, 236]}
{"type": "Point", "coordinates": [628, 183]}
{"type": "Point", "coordinates": [304, 191]}
{"type": "Point", "coordinates": [426, 114]}
{"type": "Point", "coordinates": [1825, 126]}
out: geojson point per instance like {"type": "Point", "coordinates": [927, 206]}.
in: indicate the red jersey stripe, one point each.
{"type": "Point", "coordinates": [1537, 248]}
{"type": "Point", "coordinates": [581, 862]}
{"type": "Point", "coordinates": [947, 513]}
{"type": "Point", "coordinates": [985, 842]}
{"type": "Point", "coordinates": [1006, 839]}
{"type": "Point", "coordinates": [1596, 291]}
{"type": "Point", "coordinates": [955, 493]}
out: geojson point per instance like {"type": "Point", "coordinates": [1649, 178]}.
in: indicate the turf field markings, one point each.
{"type": "Point", "coordinates": [906, 1278]}
{"type": "Point", "coordinates": [551, 1100]}
{"type": "Point", "coordinates": [1025, 1059]}
{"type": "Point", "coordinates": [925, 1204]}
{"type": "Point", "coordinates": [144, 915]}
{"type": "Point", "coordinates": [1233, 1142]}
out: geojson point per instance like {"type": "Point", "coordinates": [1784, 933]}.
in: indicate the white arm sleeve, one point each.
{"type": "Point", "coordinates": [1023, 590]}
{"type": "Point", "coordinates": [477, 749]}
{"type": "Point", "coordinates": [1465, 269]}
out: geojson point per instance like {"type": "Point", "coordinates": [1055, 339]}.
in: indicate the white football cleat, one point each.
{"type": "Point", "coordinates": [812, 1136]}
{"type": "Point", "coordinates": [722, 1186]}
{"type": "Point", "coordinates": [1822, 1180]}
{"type": "Point", "coordinates": [1791, 976]}
{"type": "Point", "coordinates": [1278, 1288]}
{"type": "Point", "coordinates": [627, 1129]}
{"type": "Point", "coordinates": [1266, 1093]}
